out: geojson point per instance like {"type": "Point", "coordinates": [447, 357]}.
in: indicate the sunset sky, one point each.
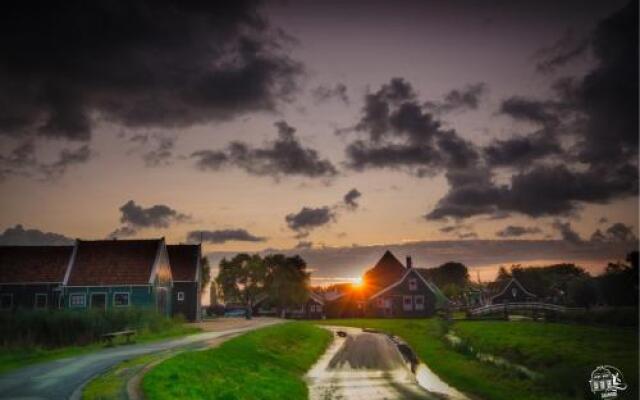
{"type": "Point", "coordinates": [334, 129]}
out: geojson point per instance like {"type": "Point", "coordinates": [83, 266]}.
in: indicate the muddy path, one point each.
{"type": "Point", "coordinates": [369, 366]}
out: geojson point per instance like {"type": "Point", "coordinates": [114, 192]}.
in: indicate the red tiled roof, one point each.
{"type": "Point", "coordinates": [113, 262]}
{"type": "Point", "coordinates": [184, 261]}
{"type": "Point", "coordinates": [387, 271]}
{"type": "Point", "coordinates": [31, 264]}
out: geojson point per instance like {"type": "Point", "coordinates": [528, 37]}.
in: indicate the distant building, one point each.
{"type": "Point", "coordinates": [112, 274]}
{"type": "Point", "coordinates": [512, 292]}
{"type": "Point", "coordinates": [312, 308]}
{"type": "Point", "coordinates": [390, 289]}
{"type": "Point", "coordinates": [186, 271]}
{"type": "Point", "coordinates": [31, 276]}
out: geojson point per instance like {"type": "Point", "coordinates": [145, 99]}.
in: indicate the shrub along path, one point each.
{"type": "Point", "coordinates": [61, 378]}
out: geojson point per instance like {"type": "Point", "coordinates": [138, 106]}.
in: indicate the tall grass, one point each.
{"type": "Point", "coordinates": [59, 328]}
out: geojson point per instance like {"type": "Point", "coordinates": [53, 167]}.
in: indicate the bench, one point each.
{"type": "Point", "coordinates": [108, 337]}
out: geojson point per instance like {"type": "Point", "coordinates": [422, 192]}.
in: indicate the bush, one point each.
{"type": "Point", "coordinates": [26, 328]}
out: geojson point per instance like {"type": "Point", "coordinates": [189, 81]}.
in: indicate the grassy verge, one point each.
{"type": "Point", "coordinates": [17, 357]}
{"type": "Point", "coordinates": [265, 364]}
{"type": "Point", "coordinates": [469, 375]}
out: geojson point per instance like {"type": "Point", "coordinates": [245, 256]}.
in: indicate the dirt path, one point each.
{"type": "Point", "coordinates": [363, 366]}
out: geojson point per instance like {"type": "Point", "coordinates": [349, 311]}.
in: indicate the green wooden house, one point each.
{"type": "Point", "coordinates": [111, 274]}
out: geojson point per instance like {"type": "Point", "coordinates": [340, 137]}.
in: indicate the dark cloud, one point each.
{"type": "Point", "coordinates": [283, 157]}
{"type": "Point", "coordinates": [531, 110]}
{"type": "Point", "coordinates": [350, 199]}
{"type": "Point", "coordinates": [324, 93]}
{"type": "Point", "coordinates": [22, 161]}
{"type": "Point", "coordinates": [135, 217]}
{"type": "Point", "coordinates": [541, 191]}
{"type": "Point", "coordinates": [461, 231]}
{"type": "Point", "coordinates": [603, 220]}
{"type": "Point", "coordinates": [137, 63]}
{"type": "Point", "coordinates": [467, 98]}
{"type": "Point", "coordinates": [308, 219]}
{"type": "Point", "coordinates": [403, 135]}
{"type": "Point", "coordinates": [223, 236]}
{"type": "Point", "coordinates": [617, 232]}
{"type": "Point", "coordinates": [517, 231]}
{"type": "Point", "coordinates": [521, 150]}
{"type": "Point", "coordinates": [568, 48]}
{"type": "Point", "coordinates": [566, 232]}
{"type": "Point", "coordinates": [18, 236]}
{"type": "Point", "coordinates": [302, 245]}
{"type": "Point", "coordinates": [162, 154]}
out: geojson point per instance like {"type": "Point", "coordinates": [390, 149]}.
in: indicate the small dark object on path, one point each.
{"type": "Point", "coordinates": [341, 333]}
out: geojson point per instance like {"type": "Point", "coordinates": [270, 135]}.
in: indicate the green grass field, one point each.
{"type": "Point", "coordinates": [265, 364]}
{"type": "Point", "coordinates": [560, 352]}
{"type": "Point", "coordinates": [13, 358]}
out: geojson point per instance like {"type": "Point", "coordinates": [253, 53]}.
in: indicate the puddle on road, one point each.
{"type": "Point", "coordinates": [369, 366]}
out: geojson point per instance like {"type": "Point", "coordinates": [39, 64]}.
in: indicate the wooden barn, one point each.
{"type": "Point", "coordinates": [105, 274]}
{"type": "Point", "coordinates": [31, 276]}
{"type": "Point", "coordinates": [513, 292]}
{"type": "Point", "coordinates": [186, 271]}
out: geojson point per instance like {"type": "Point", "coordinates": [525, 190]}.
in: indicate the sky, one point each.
{"type": "Point", "coordinates": [489, 132]}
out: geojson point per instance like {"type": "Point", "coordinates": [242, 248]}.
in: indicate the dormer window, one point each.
{"type": "Point", "coordinates": [413, 284]}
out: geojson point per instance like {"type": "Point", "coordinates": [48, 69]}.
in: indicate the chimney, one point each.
{"type": "Point", "coordinates": [409, 263]}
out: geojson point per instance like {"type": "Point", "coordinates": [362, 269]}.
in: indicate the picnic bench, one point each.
{"type": "Point", "coordinates": [108, 337]}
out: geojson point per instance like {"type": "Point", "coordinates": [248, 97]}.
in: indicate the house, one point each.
{"type": "Point", "coordinates": [106, 274]}
{"type": "Point", "coordinates": [512, 292]}
{"type": "Point", "coordinates": [187, 280]}
{"type": "Point", "coordinates": [312, 308]}
{"type": "Point", "coordinates": [389, 289]}
{"type": "Point", "coordinates": [31, 276]}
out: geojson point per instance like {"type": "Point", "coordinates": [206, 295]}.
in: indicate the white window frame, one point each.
{"type": "Point", "coordinates": [46, 301]}
{"type": "Point", "coordinates": [387, 303]}
{"type": "Point", "coordinates": [407, 305]}
{"type": "Point", "coordinates": [413, 284]}
{"type": "Point", "coordinates": [122, 305]}
{"type": "Point", "coordinates": [418, 306]}
{"type": "Point", "coordinates": [9, 295]}
{"type": "Point", "coordinates": [180, 296]}
{"type": "Point", "coordinates": [106, 298]}
{"type": "Point", "coordinates": [84, 300]}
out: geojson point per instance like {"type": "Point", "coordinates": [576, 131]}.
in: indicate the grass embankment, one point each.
{"type": "Point", "coordinates": [36, 336]}
{"type": "Point", "coordinates": [265, 364]}
{"type": "Point", "coordinates": [539, 346]}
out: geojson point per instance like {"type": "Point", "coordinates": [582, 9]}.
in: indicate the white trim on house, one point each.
{"type": "Point", "coordinates": [72, 261]}
{"type": "Point", "coordinates": [121, 305]}
{"type": "Point", "coordinates": [10, 295]}
{"type": "Point", "coordinates": [84, 301]}
{"type": "Point", "coordinates": [106, 298]}
{"type": "Point", "coordinates": [399, 281]}
{"type": "Point", "coordinates": [46, 301]}
{"type": "Point", "coordinates": [316, 297]}
{"type": "Point", "coordinates": [513, 280]}
{"type": "Point", "coordinates": [407, 305]}
{"type": "Point", "coordinates": [180, 296]}
{"type": "Point", "coordinates": [419, 306]}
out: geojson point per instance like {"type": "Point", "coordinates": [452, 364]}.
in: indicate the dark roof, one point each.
{"type": "Point", "coordinates": [386, 271]}
{"type": "Point", "coordinates": [184, 261]}
{"type": "Point", "coordinates": [113, 262]}
{"type": "Point", "coordinates": [32, 264]}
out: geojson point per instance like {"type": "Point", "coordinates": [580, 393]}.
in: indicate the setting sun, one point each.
{"type": "Point", "coordinates": [358, 282]}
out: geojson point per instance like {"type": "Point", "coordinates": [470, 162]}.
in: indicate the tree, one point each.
{"type": "Point", "coordinates": [582, 292]}
{"type": "Point", "coordinates": [449, 273]}
{"type": "Point", "coordinates": [619, 282]}
{"type": "Point", "coordinates": [287, 280]}
{"type": "Point", "coordinates": [452, 291]}
{"type": "Point", "coordinates": [242, 278]}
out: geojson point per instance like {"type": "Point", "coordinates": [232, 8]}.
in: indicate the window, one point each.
{"type": "Point", "coordinates": [99, 300]}
{"type": "Point", "coordinates": [41, 300]}
{"type": "Point", "coordinates": [419, 302]}
{"type": "Point", "coordinates": [180, 296]}
{"type": "Point", "coordinates": [6, 301]}
{"type": "Point", "coordinates": [77, 300]}
{"type": "Point", "coordinates": [413, 284]}
{"type": "Point", "coordinates": [380, 302]}
{"type": "Point", "coordinates": [121, 299]}
{"type": "Point", "coordinates": [407, 303]}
